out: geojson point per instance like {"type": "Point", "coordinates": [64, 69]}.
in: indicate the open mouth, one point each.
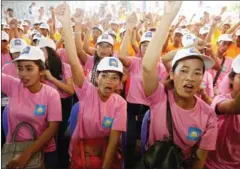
{"type": "Point", "coordinates": [188, 88]}
{"type": "Point", "coordinates": [25, 81]}
{"type": "Point", "coordinates": [108, 89]}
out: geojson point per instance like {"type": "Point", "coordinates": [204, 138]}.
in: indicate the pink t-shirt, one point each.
{"type": "Point", "coordinates": [67, 73]}
{"type": "Point", "coordinates": [6, 58]}
{"type": "Point", "coordinates": [227, 67]}
{"type": "Point", "coordinates": [10, 69]}
{"type": "Point", "coordinates": [190, 127]}
{"type": "Point", "coordinates": [38, 109]}
{"type": "Point", "coordinates": [207, 84]}
{"type": "Point", "coordinates": [97, 118]}
{"type": "Point", "coordinates": [224, 85]}
{"type": "Point", "coordinates": [135, 93]}
{"type": "Point", "coordinates": [227, 153]}
{"type": "Point", "coordinates": [63, 55]}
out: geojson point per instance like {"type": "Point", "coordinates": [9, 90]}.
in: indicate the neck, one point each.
{"type": "Point", "coordinates": [35, 88]}
{"type": "Point", "coordinates": [220, 55]}
{"type": "Point", "coordinates": [185, 103]}
{"type": "Point", "coordinates": [103, 98]}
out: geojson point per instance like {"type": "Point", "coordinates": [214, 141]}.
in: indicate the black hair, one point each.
{"type": "Point", "coordinates": [119, 74]}
{"type": "Point", "coordinates": [231, 77]}
{"type": "Point", "coordinates": [9, 9]}
{"type": "Point", "coordinates": [54, 64]}
{"type": "Point", "coordinates": [40, 64]}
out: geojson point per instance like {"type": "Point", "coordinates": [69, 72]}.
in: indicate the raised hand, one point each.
{"type": "Point", "coordinates": [63, 13]}
{"type": "Point", "coordinates": [131, 21]}
{"type": "Point", "coordinates": [171, 8]}
{"type": "Point", "coordinates": [78, 16]}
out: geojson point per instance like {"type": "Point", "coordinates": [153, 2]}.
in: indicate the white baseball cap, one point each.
{"type": "Point", "coordinates": [38, 36]}
{"type": "Point", "coordinates": [44, 26]}
{"type": "Point", "coordinates": [34, 32]}
{"type": "Point", "coordinates": [178, 30]}
{"type": "Point", "coordinates": [189, 52]}
{"type": "Point", "coordinates": [31, 53]}
{"type": "Point", "coordinates": [99, 27]}
{"type": "Point", "coordinates": [225, 37]}
{"type": "Point", "coordinates": [6, 26]}
{"type": "Point", "coordinates": [110, 64]}
{"type": "Point", "coordinates": [20, 27]}
{"type": "Point", "coordinates": [24, 23]}
{"type": "Point", "coordinates": [105, 38]}
{"type": "Point", "coordinates": [236, 64]}
{"type": "Point", "coordinates": [114, 22]}
{"type": "Point", "coordinates": [17, 45]}
{"type": "Point", "coordinates": [5, 36]}
{"type": "Point", "coordinates": [204, 30]}
{"type": "Point", "coordinates": [111, 32]}
{"type": "Point", "coordinates": [147, 36]}
{"type": "Point", "coordinates": [188, 39]}
{"type": "Point", "coordinates": [37, 22]}
{"type": "Point", "coordinates": [122, 30]}
{"type": "Point", "coordinates": [46, 42]}
{"type": "Point", "coordinates": [185, 31]}
{"type": "Point", "coordinates": [237, 32]}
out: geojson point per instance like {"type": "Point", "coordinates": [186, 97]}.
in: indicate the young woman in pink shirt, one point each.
{"type": "Point", "coordinates": [102, 114]}
{"type": "Point", "coordinates": [137, 102]}
{"type": "Point", "coordinates": [35, 103]}
{"type": "Point", "coordinates": [194, 122]}
{"type": "Point", "coordinates": [59, 76]}
{"type": "Point", "coordinates": [227, 153]}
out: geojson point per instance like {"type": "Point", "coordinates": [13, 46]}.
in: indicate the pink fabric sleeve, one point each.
{"type": "Point", "coordinates": [209, 137]}
{"type": "Point", "coordinates": [54, 107]}
{"type": "Point", "coordinates": [67, 71]}
{"type": "Point", "coordinates": [134, 61]}
{"type": "Point", "coordinates": [218, 99]}
{"type": "Point", "coordinates": [87, 89]}
{"type": "Point", "coordinates": [157, 96]}
{"type": "Point", "coordinates": [89, 63]}
{"type": "Point", "coordinates": [120, 118]}
{"type": "Point", "coordinates": [9, 83]}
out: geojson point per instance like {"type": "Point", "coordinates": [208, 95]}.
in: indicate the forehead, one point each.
{"type": "Point", "coordinates": [104, 44]}
{"type": "Point", "coordinates": [191, 63]}
{"type": "Point", "coordinates": [26, 63]}
{"type": "Point", "coordinates": [225, 42]}
{"type": "Point", "coordinates": [110, 73]}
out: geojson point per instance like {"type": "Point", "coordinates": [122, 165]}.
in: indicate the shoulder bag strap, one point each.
{"type": "Point", "coordinates": [169, 117]}
{"type": "Point", "coordinates": [218, 73]}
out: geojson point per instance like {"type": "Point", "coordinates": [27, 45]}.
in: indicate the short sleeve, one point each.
{"type": "Point", "coordinates": [9, 84]}
{"type": "Point", "coordinates": [86, 90]}
{"type": "Point", "coordinates": [218, 99]}
{"type": "Point", "coordinates": [54, 107]}
{"type": "Point", "coordinates": [67, 71]}
{"type": "Point", "coordinates": [89, 63]}
{"type": "Point", "coordinates": [209, 137]}
{"type": "Point", "coordinates": [157, 95]}
{"type": "Point", "coordinates": [120, 119]}
{"type": "Point", "coordinates": [134, 63]}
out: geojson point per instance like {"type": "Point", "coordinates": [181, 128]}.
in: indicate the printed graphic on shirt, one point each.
{"type": "Point", "coordinates": [107, 122]}
{"type": "Point", "coordinates": [224, 68]}
{"type": "Point", "coordinates": [40, 110]}
{"type": "Point", "coordinates": [204, 85]}
{"type": "Point", "coordinates": [194, 134]}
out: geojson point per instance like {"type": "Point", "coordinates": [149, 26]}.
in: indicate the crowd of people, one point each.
{"type": "Point", "coordinates": [117, 72]}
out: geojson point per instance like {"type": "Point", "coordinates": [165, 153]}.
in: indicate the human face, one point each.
{"type": "Point", "coordinates": [114, 27]}
{"type": "Point", "coordinates": [96, 33]}
{"type": "Point", "coordinates": [187, 77]}
{"type": "Point", "coordinates": [6, 30]}
{"type": "Point", "coordinates": [104, 49]}
{"type": "Point", "coordinates": [26, 28]}
{"type": "Point", "coordinates": [143, 47]}
{"type": "Point", "coordinates": [177, 38]}
{"type": "Point", "coordinates": [4, 45]}
{"type": "Point", "coordinates": [28, 73]}
{"type": "Point", "coordinates": [44, 32]}
{"type": "Point", "coordinates": [225, 28]}
{"type": "Point", "coordinates": [238, 41]}
{"type": "Point", "coordinates": [236, 83]}
{"type": "Point", "coordinates": [108, 82]}
{"type": "Point", "coordinates": [223, 46]}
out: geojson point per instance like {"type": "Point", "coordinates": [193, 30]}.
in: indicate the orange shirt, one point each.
{"type": "Point", "coordinates": [233, 51]}
{"type": "Point", "coordinates": [91, 44]}
{"type": "Point", "coordinates": [170, 48]}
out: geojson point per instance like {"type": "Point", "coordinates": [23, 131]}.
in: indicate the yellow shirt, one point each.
{"type": "Point", "coordinates": [214, 39]}
{"type": "Point", "coordinates": [57, 36]}
{"type": "Point", "coordinates": [233, 51]}
{"type": "Point", "coordinates": [28, 41]}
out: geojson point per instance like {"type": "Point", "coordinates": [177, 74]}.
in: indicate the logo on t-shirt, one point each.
{"type": "Point", "coordinates": [40, 110]}
{"type": "Point", "coordinates": [107, 122]}
{"type": "Point", "coordinates": [204, 85]}
{"type": "Point", "coordinates": [224, 68]}
{"type": "Point", "coordinates": [194, 134]}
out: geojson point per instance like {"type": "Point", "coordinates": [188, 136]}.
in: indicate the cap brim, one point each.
{"type": "Point", "coordinates": [110, 69]}
{"type": "Point", "coordinates": [208, 62]}
{"type": "Point", "coordinates": [24, 57]}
